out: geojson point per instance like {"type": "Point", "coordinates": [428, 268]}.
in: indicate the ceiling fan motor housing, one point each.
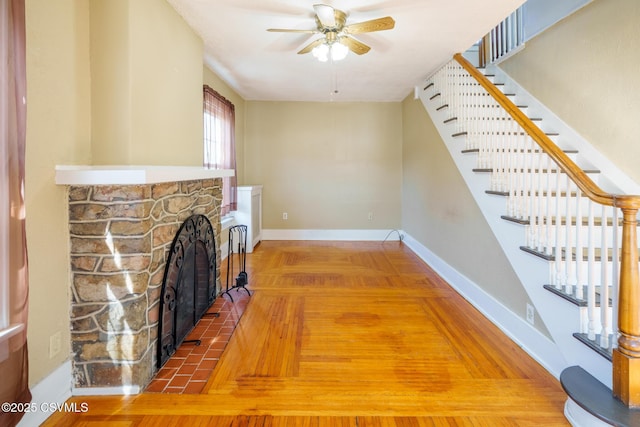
{"type": "Point", "coordinates": [340, 20]}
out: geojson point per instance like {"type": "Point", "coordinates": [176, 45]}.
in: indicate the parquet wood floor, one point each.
{"type": "Point", "coordinates": [351, 334]}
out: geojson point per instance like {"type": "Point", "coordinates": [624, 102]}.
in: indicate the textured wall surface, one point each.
{"type": "Point", "coordinates": [120, 239]}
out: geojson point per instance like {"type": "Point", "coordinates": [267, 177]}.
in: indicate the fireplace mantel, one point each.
{"type": "Point", "coordinates": [132, 175]}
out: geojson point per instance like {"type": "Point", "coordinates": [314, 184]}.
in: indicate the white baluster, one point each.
{"type": "Point", "coordinates": [519, 153]}
{"type": "Point", "coordinates": [484, 137]}
{"type": "Point", "coordinates": [605, 314]}
{"type": "Point", "coordinates": [569, 278]}
{"type": "Point", "coordinates": [471, 127]}
{"type": "Point", "coordinates": [549, 214]}
{"type": "Point", "coordinates": [579, 247]}
{"type": "Point", "coordinates": [558, 231]}
{"type": "Point", "coordinates": [528, 175]}
{"type": "Point", "coordinates": [514, 178]}
{"type": "Point", "coordinates": [543, 159]}
{"type": "Point", "coordinates": [492, 149]}
{"type": "Point", "coordinates": [591, 286]}
{"type": "Point", "coordinates": [616, 234]}
{"type": "Point", "coordinates": [503, 149]}
{"type": "Point", "coordinates": [536, 170]}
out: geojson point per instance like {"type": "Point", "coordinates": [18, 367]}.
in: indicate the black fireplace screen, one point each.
{"type": "Point", "coordinates": [189, 285]}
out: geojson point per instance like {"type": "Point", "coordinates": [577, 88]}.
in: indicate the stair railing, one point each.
{"type": "Point", "coordinates": [503, 39]}
{"type": "Point", "coordinates": [570, 220]}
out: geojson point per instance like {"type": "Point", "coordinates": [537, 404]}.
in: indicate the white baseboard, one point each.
{"type": "Point", "coordinates": [345, 235]}
{"type": "Point", "coordinates": [537, 345]}
{"type": "Point", "coordinates": [53, 390]}
{"type": "Point", "coordinates": [578, 417]}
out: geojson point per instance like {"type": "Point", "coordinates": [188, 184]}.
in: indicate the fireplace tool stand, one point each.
{"type": "Point", "coordinates": [237, 255]}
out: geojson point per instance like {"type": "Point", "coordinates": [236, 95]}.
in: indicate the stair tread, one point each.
{"type": "Point", "coordinates": [597, 222]}
{"type": "Point", "coordinates": [572, 298]}
{"type": "Point", "coordinates": [537, 151]}
{"type": "Point", "coordinates": [536, 170]}
{"type": "Point", "coordinates": [597, 254]}
{"type": "Point", "coordinates": [596, 398]}
{"type": "Point", "coordinates": [533, 119]}
{"type": "Point", "coordinates": [544, 193]}
{"type": "Point", "coordinates": [594, 344]}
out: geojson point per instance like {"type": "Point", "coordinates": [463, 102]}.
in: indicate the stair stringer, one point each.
{"type": "Point", "coordinates": [560, 317]}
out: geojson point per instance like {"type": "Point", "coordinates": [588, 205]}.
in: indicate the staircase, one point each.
{"type": "Point", "coordinates": [570, 242]}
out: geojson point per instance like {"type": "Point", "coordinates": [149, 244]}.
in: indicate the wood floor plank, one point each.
{"type": "Point", "coordinates": [353, 334]}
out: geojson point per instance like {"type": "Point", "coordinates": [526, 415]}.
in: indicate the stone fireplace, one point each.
{"type": "Point", "coordinates": [120, 238]}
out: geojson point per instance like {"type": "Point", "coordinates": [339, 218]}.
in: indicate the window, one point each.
{"type": "Point", "coordinates": [219, 143]}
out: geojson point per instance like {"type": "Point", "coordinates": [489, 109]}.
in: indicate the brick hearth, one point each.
{"type": "Point", "coordinates": [189, 369]}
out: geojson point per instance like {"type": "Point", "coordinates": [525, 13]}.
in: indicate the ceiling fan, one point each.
{"type": "Point", "coordinates": [337, 40]}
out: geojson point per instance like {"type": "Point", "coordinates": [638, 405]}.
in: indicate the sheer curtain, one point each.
{"type": "Point", "coordinates": [220, 144]}
{"type": "Point", "coordinates": [13, 250]}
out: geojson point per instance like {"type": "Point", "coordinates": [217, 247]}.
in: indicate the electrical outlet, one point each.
{"type": "Point", "coordinates": [55, 344]}
{"type": "Point", "coordinates": [531, 314]}
{"type": "Point", "coordinates": [285, 215]}
{"type": "Point", "coordinates": [370, 216]}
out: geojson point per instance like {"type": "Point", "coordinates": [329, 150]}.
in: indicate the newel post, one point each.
{"type": "Point", "coordinates": [626, 358]}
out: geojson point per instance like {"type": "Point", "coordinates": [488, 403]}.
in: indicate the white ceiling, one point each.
{"type": "Point", "coordinates": [261, 65]}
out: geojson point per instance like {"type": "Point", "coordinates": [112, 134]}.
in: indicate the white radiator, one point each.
{"type": "Point", "coordinates": [249, 213]}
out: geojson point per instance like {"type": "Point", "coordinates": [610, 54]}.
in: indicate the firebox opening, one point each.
{"type": "Point", "coordinates": [189, 285]}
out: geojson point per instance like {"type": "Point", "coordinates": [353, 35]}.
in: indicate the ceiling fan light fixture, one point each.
{"type": "Point", "coordinates": [339, 51]}
{"type": "Point", "coordinates": [321, 52]}
{"type": "Point", "coordinates": [336, 51]}
{"type": "Point", "coordinates": [337, 40]}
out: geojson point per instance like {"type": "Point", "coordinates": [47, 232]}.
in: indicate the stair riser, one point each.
{"type": "Point", "coordinates": [597, 325]}
{"type": "Point", "coordinates": [508, 153]}
{"type": "Point", "coordinates": [551, 208]}
{"type": "Point", "coordinates": [584, 269]}
{"type": "Point", "coordinates": [562, 231]}
{"type": "Point", "coordinates": [516, 162]}
{"type": "Point", "coordinates": [542, 182]}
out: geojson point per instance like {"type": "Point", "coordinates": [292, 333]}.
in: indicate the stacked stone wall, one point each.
{"type": "Point", "coordinates": [120, 237]}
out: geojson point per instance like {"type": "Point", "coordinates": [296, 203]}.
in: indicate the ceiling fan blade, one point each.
{"type": "Point", "coordinates": [326, 15]}
{"type": "Point", "coordinates": [354, 45]}
{"type": "Point", "coordinates": [288, 30]}
{"type": "Point", "coordinates": [379, 24]}
{"type": "Point", "coordinates": [308, 48]}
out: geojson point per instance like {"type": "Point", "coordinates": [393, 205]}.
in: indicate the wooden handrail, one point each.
{"type": "Point", "coordinates": [582, 180]}
{"type": "Point", "coordinates": [626, 358]}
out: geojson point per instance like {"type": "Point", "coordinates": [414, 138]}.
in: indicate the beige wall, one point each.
{"type": "Point", "coordinates": [586, 70]}
{"type": "Point", "coordinates": [110, 82]}
{"type": "Point", "coordinates": [131, 71]}
{"type": "Point", "coordinates": [326, 164]}
{"type": "Point", "coordinates": [146, 66]}
{"type": "Point", "coordinates": [439, 212]}
{"type": "Point", "coordinates": [58, 132]}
